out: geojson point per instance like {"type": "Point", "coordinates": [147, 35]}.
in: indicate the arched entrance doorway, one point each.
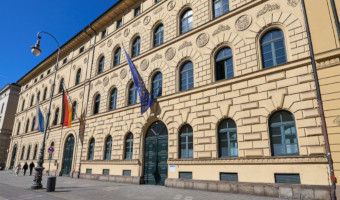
{"type": "Point", "coordinates": [14, 153]}
{"type": "Point", "coordinates": [156, 154]}
{"type": "Point", "coordinates": [68, 156]}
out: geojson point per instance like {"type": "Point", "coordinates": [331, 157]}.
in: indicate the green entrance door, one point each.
{"type": "Point", "coordinates": [68, 156]}
{"type": "Point", "coordinates": [156, 154]}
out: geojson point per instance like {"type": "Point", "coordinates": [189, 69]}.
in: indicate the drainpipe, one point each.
{"type": "Point", "coordinates": [336, 18]}
{"type": "Point", "coordinates": [322, 115]}
{"type": "Point", "coordinates": [88, 92]}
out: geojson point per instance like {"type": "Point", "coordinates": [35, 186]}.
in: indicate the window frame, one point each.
{"type": "Point", "coordinates": [100, 66]}
{"type": "Point", "coordinates": [132, 94]}
{"type": "Point", "coordinates": [136, 47]}
{"type": "Point", "coordinates": [96, 104]}
{"type": "Point", "coordinates": [222, 11]}
{"type": "Point", "coordinates": [159, 82]}
{"type": "Point", "coordinates": [186, 135]}
{"type": "Point", "coordinates": [228, 131]}
{"type": "Point", "coordinates": [92, 144]}
{"type": "Point", "coordinates": [117, 56]}
{"type": "Point", "coordinates": [128, 155]}
{"type": "Point", "coordinates": [224, 60]}
{"type": "Point", "coordinates": [113, 99]}
{"type": "Point", "coordinates": [183, 18]}
{"type": "Point", "coordinates": [187, 74]}
{"type": "Point", "coordinates": [78, 77]}
{"type": "Point", "coordinates": [108, 151]}
{"type": "Point", "coordinates": [158, 35]}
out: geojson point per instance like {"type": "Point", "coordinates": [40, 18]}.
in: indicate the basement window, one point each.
{"type": "Point", "coordinates": [229, 177]}
{"type": "Point", "coordinates": [185, 175]}
{"type": "Point", "coordinates": [88, 171]}
{"type": "Point", "coordinates": [126, 172]}
{"type": "Point", "coordinates": [106, 171]}
{"type": "Point", "coordinates": [287, 178]}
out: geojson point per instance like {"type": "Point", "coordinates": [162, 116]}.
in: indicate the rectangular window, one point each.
{"type": "Point", "coordinates": [119, 23]}
{"type": "Point", "coordinates": [65, 61]}
{"type": "Point", "coordinates": [88, 171]}
{"type": "Point", "coordinates": [137, 11]}
{"type": "Point", "coordinates": [48, 71]}
{"type": "Point", "coordinates": [81, 50]}
{"type": "Point", "coordinates": [126, 172]}
{"type": "Point", "coordinates": [35, 80]}
{"type": "Point", "coordinates": [103, 33]}
{"type": "Point", "coordinates": [287, 178]}
{"type": "Point", "coordinates": [106, 172]}
{"type": "Point", "coordinates": [185, 175]}
{"type": "Point", "coordinates": [228, 176]}
{"type": "Point", "coordinates": [41, 76]}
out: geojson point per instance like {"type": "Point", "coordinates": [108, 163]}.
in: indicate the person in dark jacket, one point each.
{"type": "Point", "coordinates": [31, 167]}
{"type": "Point", "coordinates": [25, 167]}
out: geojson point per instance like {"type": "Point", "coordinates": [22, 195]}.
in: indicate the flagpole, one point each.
{"type": "Point", "coordinates": [39, 169]}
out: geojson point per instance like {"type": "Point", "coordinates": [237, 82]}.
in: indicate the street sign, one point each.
{"type": "Point", "coordinates": [50, 150]}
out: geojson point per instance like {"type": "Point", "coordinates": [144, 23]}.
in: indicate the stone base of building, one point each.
{"type": "Point", "coordinates": [113, 178]}
{"type": "Point", "coordinates": [287, 191]}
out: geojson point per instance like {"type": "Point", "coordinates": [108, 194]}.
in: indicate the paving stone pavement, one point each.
{"type": "Point", "coordinates": [17, 188]}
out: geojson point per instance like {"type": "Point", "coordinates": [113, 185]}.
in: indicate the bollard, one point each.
{"type": "Point", "coordinates": [51, 182]}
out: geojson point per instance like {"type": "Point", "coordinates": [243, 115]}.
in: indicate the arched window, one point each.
{"type": "Point", "coordinates": [74, 110]}
{"type": "Point", "coordinates": [186, 142]}
{"type": "Point", "coordinates": [28, 152]}
{"type": "Point", "coordinates": [91, 149]}
{"type": "Point", "coordinates": [35, 152]}
{"type": "Point", "coordinates": [108, 148]}
{"type": "Point", "coordinates": [27, 126]}
{"type": "Point", "coordinates": [282, 132]}
{"type": "Point", "coordinates": [32, 101]}
{"type": "Point", "coordinates": [136, 47]}
{"type": "Point", "coordinates": [61, 85]}
{"type": "Point", "coordinates": [132, 94]}
{"type": "Point", "coordinates": [56, 117]}
{"type": "Point", "coordinates": [45, 94]}
{"type": "Point", "coordinates": [38, 96]}
{"type": "Point", "coordinates": [113, 99]}
{"type": "Point", "coordinates": [186, 21]}
{"type": "Point", "coordinates": [18, 129]}
{"type": "Point", "coordinates": [22, 153]}
{"type": "Point", "coordinates": [187, 76]}
{"type": "Point", "coordinates": [157, 85]}
{"type": "Point", "coordinates": [159, 35]}
{"type": "Point", "coordinates": [227, 139]}
{"type": "Point", "coordinates": [224, 64]}
{"type": "Point", "coordinates": [129, 146]}
{"type": "Point", "coordinates": [78, 77]}
{"type": "Point", "coordinates": [221, 7]}
{"type": "Point", "coordinates": [117, 57]}
{"type": "Point", "coordinates": [96, 104]}
{"type": "Point", "coordinates": [273, 48]}
{"type": "Point", "coordinates": [33, 124]}
{"type": "Point", "coordinates": [101, 65]}
{"type": "Point", "coordinates": [23, 106]}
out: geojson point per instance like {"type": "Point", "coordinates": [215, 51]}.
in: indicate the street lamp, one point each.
{"type": "Point", "coordinates": [39, 169]}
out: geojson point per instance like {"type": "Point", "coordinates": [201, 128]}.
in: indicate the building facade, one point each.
{"type": "Point", "coordinates": [235, 103]}
{"type": "Point", "coordinates": [9, 96]}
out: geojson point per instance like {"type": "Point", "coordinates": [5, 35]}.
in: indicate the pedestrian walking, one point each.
{"type": "Point", "coordinates": [31, 167]}
{"type": "Point", "coordinates": [17, 168]}
{"type": "Point", "coordinates": [25, 168]}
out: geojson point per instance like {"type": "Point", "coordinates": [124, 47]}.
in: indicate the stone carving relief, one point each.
{"type": "Point", "coordinates": [109, 43]}
{"type": "Point", "coordinates": [126, 32]}
{"type": "Point", "coordinates": [158, 10]}
{"type": "Point", "coordinates": [170, 53]}
{"type": "Point", "coordinates": [243, 22]}
{"type": "Point", "coordinates": [184, 45]}
{"type": "Point", "coordinates": [202, 40]}
{"type": "Point", "coordinates": [171, 5]}
{"type": "Point", "coordinates": [156, 57]}
{"type": "Point", "coordinates": [118, 35]}
{"type": "Point", "coordinates": [136, 24]}
{"type": "Point", "coordinates": [114, 75]}
{"type": "Point", "coordinates": [144, 65]}
{"type": "Point", "coordinates": [268, 8]}
{"type": "Point", "coordinates": [327, 63]}
{"type": "Point", "coordinates": [102, 44]}
{"type": "Point", "coordinates": [220, 29]}
{"type": "Point", "coordinates": [123, 73]}
{"type": "Point", "coordinates": [106, 81]}
{"type": "Point", "coordinates": [292, 3]}
{"type": "Point", "coordinates": [147, 20]}
{"type": "Point", "coordinates": [81, 95]}
{"type": "Point", "coordinates": [98, 82]}
{"type": "Point", "coordinates": [85, 60]}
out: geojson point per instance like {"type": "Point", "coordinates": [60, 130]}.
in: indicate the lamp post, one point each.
{"type": "Point", "coordinates": [39, 169]}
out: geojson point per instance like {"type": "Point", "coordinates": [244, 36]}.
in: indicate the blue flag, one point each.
{"type": "Point", "coordinates": [144, 95]}
{"type": "Point", "coordinates": [39, 122]}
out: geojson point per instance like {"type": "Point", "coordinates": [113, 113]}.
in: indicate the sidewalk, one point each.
{"type": "Point", "coordinates": [78, 189]}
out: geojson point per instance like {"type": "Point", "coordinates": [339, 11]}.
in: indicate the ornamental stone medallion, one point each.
{"type": "Point", "coordinates": [170, 53]}
{"type": "Point", "coordinates": [243, 22]}
{"type": "Point", "coordinates": [292, 3]}
{"type": "Point", "coordinates": [123, 73]}
{"type": "Point", "coordinates": [268, 8]}
{"type": "Point", "coordinates": [202, 40]}
{"type": "Point", "coordinates": [220, 29]}
{"type": "Point", "coordinates": [147, 20]}
{"type": "Point", "coordinates": [106, 81]}
{"type": "Point", "coordinates": [171, 5]}
{"type": "Point", "coordinates": [109, 43]}
{"type": "Point", "coordinates": [126, 32]}
{"type": "Point", "coordinates": [144, 65]}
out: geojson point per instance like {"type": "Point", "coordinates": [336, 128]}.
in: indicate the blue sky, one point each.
{"type": "Point", "coordinates": [21, 20]}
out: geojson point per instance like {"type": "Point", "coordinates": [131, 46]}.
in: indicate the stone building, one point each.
{"type": "Point", "coordinates": [9, 96]}
{"type": "Point", "coordinates": [235, 97]}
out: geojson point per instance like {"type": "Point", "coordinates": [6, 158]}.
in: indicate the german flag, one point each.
{"type": "Point", "coordinates": [67, 112]}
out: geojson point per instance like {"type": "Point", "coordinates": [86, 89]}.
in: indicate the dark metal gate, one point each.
{"type": "Point", "coordinates": [14, 153]}
{"type": "Point", "coordinates": [68, 156]}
